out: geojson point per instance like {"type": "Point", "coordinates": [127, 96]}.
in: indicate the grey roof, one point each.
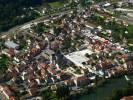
{"type": "Point", "coordinates": [50, 52]}
{"type": "Point", "coordinates": [11, 44]}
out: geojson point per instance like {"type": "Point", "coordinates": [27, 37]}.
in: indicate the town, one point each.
{"type": "Point", "coordinates": [78, 48]}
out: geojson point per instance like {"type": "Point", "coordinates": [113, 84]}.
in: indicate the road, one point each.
{"type": "Point", "coordinates": [127, 19]}
{"type": "Point", "coordinates": [17, 28]}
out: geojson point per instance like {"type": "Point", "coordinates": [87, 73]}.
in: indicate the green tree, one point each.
{"type": "Point", "coordinates": [57, 31]}
{"type": "Point", "coordinates": [96, 79]}
{"type": "Point", "coordinates": [23, 44]}
{"type": "Point", "coordinates": [67, 42]}
{"type": "Point", "coordinates": [39, 28]}
{"type": "Point", "coordinates": [4, 60]}
{"type": "Point", "coordinates": [49, 95]}
{"type": "Point", "coordinates": [85, 2]}
{"type": "Point", "coordinates": [63, 92]}
{"type": "Point", "coordinates": [87, 55]}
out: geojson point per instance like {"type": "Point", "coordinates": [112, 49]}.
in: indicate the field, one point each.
{"type": "Point", "coordinates": [56, 4]}
{"type": "Point", "coordinates": [130, 28]}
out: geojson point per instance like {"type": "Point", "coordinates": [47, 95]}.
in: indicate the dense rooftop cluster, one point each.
{"type": "Point", "coordinates": [66, 49]}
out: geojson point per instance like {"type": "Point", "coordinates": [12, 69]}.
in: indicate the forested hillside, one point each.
{"type": "Point", "coordinates": [14, 12]}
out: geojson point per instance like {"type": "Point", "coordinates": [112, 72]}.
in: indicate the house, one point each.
{"type": "Point", "coordinates": [106, 4]}
{"type": "Point", "coordinates": [128, 1]}
{"type": "Point", "coordinates": [79, 57]}
{"type": "Point", "coordinates": [48, 54]}
{"type": "Point", "coordinates": [127, 98]}
{"type": "Point", "coordinates": [30, 93]}
{"type": "Point", "coordinates": [81, 81]}
{"type": "Point", "coordinates": [35, 98]}
{"type": "Point", "coordinates": [129, 62]}
{"type": "Point", "coordinates": [11, 44]}
{"type": "Point", "coordinates": [91, 76]}
{"type": "Point", "coordinates": [52, 71]}
{"type": "Point", "coordinates": [69, 82]}
{"type": "Point", "coordinates": [63, 76]}
{"type": "Point", "coordinates": [6, 92]}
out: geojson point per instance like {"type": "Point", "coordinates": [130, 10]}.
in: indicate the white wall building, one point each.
{"type": "Point", "coordinates": [128, 1]}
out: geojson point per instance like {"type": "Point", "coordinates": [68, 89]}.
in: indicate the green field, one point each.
{"type": "Point", "coordinates": [56, 4]}
{"type": "Point", "coordinates": [130, 28]}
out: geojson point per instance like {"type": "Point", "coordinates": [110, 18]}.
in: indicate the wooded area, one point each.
{"type": "Point", "coordinates": [15, 12]}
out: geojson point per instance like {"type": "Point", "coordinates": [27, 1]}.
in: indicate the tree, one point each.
{"type": "Point", "coordinates": [85, 2]}
{"type": "Point", "coordinates": [49, 95]}
{"type": "Point", "coordinates": [39, 28]}
{"type": "Point", "coordinates": [8, 19]}
{"type": "Point", "coordinates": [87, 55]}
{"type": "Point", "coordinates": [57, 31]}
{"type": "Point", "coordinates": [23, 44]}
{"type": "Point", "coordinates": [4, 60]}
{"type": "Point", "coordinates": [96, 79]}
{"type": "Point", "coordinates": [2, 44]}
{"type": "Point", "coordinates": [117, 94]}
{"type": "Point", "coordinates": [63, 92]}
{"type": "Point", "coordinates": [67, 42]}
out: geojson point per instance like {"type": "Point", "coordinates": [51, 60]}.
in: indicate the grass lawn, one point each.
{"type": "Point", "coordinates": [56, 4]}
{"type": "Point", "coordinates": [130, 28]}
{"type": "Point", "coordinates": [130, 39]}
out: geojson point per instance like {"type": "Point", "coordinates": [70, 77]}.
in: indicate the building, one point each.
{"type": "Point", "coordinates": [128, 1]}
{"type": "Point", "coordinates": [79, 57]}
{"type": "Point", "coordinates": [6, 93]}
{"type": "Point", "coordinates": [11, 44]}
{"type": "Point", "coordinates": [127, 98]}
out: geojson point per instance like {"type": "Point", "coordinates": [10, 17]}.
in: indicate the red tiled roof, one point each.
{"type": "Point", "coordinates": [43, 66]}
{"type": "Point", "coordinates": [11, 51]}
{"type": "Point", "coordinates": [11, 98]}
{"type": "Point", "coordinates": [127, 98]}
{"type": "Point", "coordinates": [33, 50]}
{"type": "Point", "coordinates": [125, 55]}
